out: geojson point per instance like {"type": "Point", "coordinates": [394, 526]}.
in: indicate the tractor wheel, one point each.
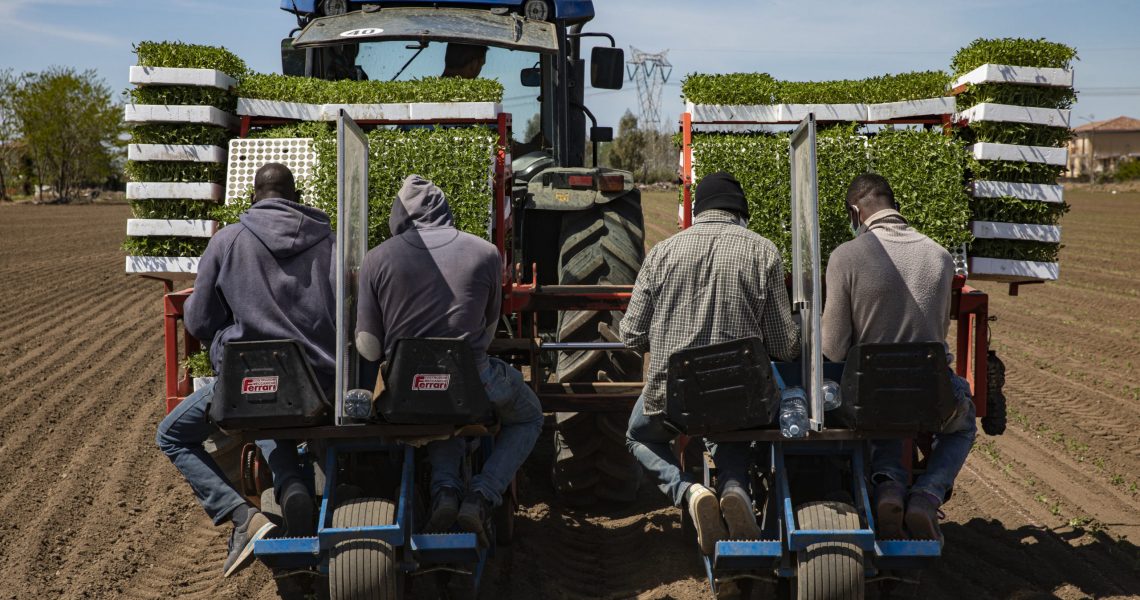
{"type": "Point", "coordinates": [602, 245]}
{"type": "Point", "coordinates": [994, 421]}
{"type": "Point", "coordinates": [829, 571]}
{"type": "Point", "coordinates": [364, 569]}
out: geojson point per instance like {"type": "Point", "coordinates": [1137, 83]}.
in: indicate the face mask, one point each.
{"type": "Point", "coordinates": [856, 227]}
{"type": "Point", "coordinates": [742, 221]}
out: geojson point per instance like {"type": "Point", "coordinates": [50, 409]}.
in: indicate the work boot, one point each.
{"type": "Point", "coordinates": [736, 507]}
{"type": "Point", "coordinates": [444, 509]}
{"type": "Point", "coordinates": [474, 515]}
{"type": "Point", "coordinates": [704, 510]}
{"type": "Point", "coordinates": [297, 510]}
{"type": "Point", "coordinates": [889, 498]}
{"type": "Point", "coordinates": [255, 527]}
{"type": "Point", "coordinates": [922, 516]}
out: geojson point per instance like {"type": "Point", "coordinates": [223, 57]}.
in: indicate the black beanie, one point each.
{"type": "Point", "coordinates": [720, 190]}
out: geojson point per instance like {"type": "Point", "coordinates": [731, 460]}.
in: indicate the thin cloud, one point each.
{"type": "Point", "coordinates": [75, 35]}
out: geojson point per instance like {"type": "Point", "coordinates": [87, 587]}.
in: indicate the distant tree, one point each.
{"type": "Point", "coordinates": [9, 132]}
{"type": "Point", "coordinates": [69, 125]}
{"type": "Point", "coordinates": [533, 127]}
{"type": "Point", "coordinates": [628, 148]}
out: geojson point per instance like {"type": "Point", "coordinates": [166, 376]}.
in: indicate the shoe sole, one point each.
{"type": "Point", "coordinates": [922, 527]}
{"type": "Point", "coordinates": [740, 518]}
{"type": "Point", "coordinates": [705, 513]}
{"type": "Point", "coordinates": [298, 514]}
{"type": "Point", "coordinates": [247, 551]}
{"type": "Point", "coordinates": [890, 520]}
{"type": "Point", "coordinates": [472, 524]}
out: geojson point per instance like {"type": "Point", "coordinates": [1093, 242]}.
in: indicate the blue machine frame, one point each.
{"type": "Point", "coordinates": [416, 549]}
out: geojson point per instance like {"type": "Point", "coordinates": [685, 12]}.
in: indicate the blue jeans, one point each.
{"type": "Point", "coordinates": [648, 440]}
{"type": "Point", "coordinates": [180, 437]}
{"type": "Point", "coordinates": [520, 416]}
{"type": "Point", "coordinates": [947, 455]}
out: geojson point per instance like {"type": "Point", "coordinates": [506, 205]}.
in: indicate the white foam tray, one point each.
{"type": "Point", "coordinates": [137, 190]}
{"type": "Point", "coordinates": [1041, 192]}
{"type": "Point", "coordinates": [991, 73]}
{"type": "Point", "coordinates": [1000, 269]}
{"type": "Point", "coordinates": [176, 153]}
{"type": "Point", "coordinates": [786, 113]}
{"type": "Point", "coordinates": [189, 77]}
{"type": "Point", "coordinates": [171, 228]}
{"type": "Point", "coordinates": [198, 115]}
{"type": "Point", "coordinates": [911, 108]}
{"type": "Point", "coordinates": [1008, 113]}
{"type": "Point", "coordinates": [170, 267]}
{"type": "Point", "coordinates": [989, 230]}
{"type": "Point", "coordinates": [423, 111]}
{"type": "Point", "coordinates": [1013, 152]}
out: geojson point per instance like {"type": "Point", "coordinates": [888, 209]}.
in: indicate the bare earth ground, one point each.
{"type": "Point", "coordinates": [90, 509]}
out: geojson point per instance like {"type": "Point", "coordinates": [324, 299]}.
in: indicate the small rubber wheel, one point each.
{"type": "Point", "coordinates": [364, 569]}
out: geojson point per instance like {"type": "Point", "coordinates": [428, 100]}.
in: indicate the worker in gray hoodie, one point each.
{"type": "Point", "coordinates": [268, 277]}
{"type": "Point", "coordinates": [432, 280]}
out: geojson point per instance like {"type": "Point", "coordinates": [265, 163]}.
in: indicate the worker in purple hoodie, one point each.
{"type": "Point", "coordinates": [269, 277]}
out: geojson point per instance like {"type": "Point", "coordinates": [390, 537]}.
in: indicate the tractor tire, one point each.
{"type": "Point", "coordinates": [602, 245]}
{"type": "Point", "coordinates": [994, 421]}
{"type": "Point", "coordinates": [364, 569]}
{"type": "Point", "coordinates": [829, 571]}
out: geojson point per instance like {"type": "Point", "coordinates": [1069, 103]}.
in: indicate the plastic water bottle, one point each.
{"type": "Point", "coordinates": [832, 397]}
{"type": "Point", "coordinates": [793, 413]}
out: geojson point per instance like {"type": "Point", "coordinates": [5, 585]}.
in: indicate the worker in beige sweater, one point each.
{"type": "Point", "coordinates": [892, 284]}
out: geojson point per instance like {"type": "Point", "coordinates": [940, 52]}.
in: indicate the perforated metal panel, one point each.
{"type": "Point", "coordinates": [248, 155]}
{"type": "Point", "coordinates": [961, 262]}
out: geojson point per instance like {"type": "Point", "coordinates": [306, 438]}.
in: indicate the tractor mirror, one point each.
{"type": "Point", "coordinates": [292, 59]}
{"type": "Point", "coordinates": [607, 68]}
{"type": "Point", "coordinates": [601, 134]}
{"type": "Point", "coordinates": [531, 77]}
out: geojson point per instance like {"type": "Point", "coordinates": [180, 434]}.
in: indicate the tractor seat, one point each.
{"type": "Point", "coordinates": [721, 387]}
{"type": "Point", "coordinates": [901, 387]}
{"type": "Point", "coordinates": [267, 385]}
{"type": "Point", "coordinates": [433, 381]}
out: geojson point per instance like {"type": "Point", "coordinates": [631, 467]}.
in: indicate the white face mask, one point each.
{"type": "Point", "coordinates": [742, 221]}
{"type": "Point", "coordinates": [856, 227]}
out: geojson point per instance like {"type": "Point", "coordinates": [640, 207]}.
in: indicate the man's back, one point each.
{"type": "Point", "coordinates": [890, 284]}
{"type": "Point", "coordinates": [429, 279]}
{"type": "Point", "coordinates": [269, 277]}
{"type": "Point", "coordinates": [714, 282]}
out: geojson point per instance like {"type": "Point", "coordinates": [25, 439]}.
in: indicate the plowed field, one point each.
{"type": "Point", "coordinates": [90, 509]}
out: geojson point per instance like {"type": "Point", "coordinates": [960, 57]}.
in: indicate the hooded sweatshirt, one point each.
{"type": "Point", "coordinates": [269, 277]}
{"type": "Point", "coordinates": [428, 280]}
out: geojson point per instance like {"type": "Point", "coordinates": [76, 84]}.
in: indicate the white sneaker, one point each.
{"type": "Point", "coordinates": [736, 507]}
{"type": "Point", "coordinates": [705, 512]}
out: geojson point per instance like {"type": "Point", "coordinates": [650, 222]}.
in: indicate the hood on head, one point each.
{"type": "Point", "coordinates": [419, 205]}
{"type": "Point", "coordinates": [286, 228]}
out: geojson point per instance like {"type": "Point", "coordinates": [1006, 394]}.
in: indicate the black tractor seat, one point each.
{"type": "Point", "coordinates": [433, 381]}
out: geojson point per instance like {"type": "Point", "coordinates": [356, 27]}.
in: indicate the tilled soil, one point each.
{"type": "Point", "coordinates": [90, 509]}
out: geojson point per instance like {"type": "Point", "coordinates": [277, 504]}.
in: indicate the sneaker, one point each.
{"type": "Point", "coordinates": [704, 510]}
{"type": "Point", "coordinates": [473, 516]}
{"type": "Point", "coordinates": [444, 510]}
{"type": "Point", "coordinates": [889, 498]}
{"type": "Point", "coordinates": [922, 516]}
{"type": "Point", "coordinates": [297, 510]}
{"type": "Point", "coordinates": [736, 507]}
{"type": "Point", "coordinates": [256, 527]}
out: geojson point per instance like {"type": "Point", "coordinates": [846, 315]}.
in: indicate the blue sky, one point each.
{"type": "Point", "coordinates": [791, 39]}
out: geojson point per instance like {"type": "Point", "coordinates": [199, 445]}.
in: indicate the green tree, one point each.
{"type": "Point", "coordinates": [9, 132]}
{"type": "Point", "coordinates": [69, 125]}
{"type": "Point", "coordinates": [628, 148]}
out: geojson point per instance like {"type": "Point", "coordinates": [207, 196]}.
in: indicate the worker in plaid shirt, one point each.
{"type": "Point", "coordinates": [714, 282]}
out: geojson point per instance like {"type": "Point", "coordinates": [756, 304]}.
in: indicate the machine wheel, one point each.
{"type": "Point", "coordinates": [994, 421]}
{"type": "Point", "coordinates": [602, 245]}
{"type": "Point", "coordinates": [829, 571]}
{"type": "Point", "coordinates": [364, 569]}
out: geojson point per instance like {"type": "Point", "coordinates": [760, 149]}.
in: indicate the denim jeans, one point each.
{"type": "Point", "coordinates": [949, 451]}
{"type": "Point", "coordinates": [520, 417]}
{"type": "Point", "coordinates": [180, 437]}
{"type": "Point", "coordinates": [648, 440]}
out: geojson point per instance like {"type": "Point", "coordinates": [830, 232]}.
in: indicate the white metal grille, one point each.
{"type": "Point", "coordinates": [246, 156]}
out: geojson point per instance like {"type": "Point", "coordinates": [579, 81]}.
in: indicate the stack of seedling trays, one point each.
{"type": "Point", "coordinates": [1013, 100]}
{"type": "Point", "coordinates": [181, 113]}
{"type": "Point", "coordinates": [407, 138]}
{"type": "Point", "coordinates": [735, 121]}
